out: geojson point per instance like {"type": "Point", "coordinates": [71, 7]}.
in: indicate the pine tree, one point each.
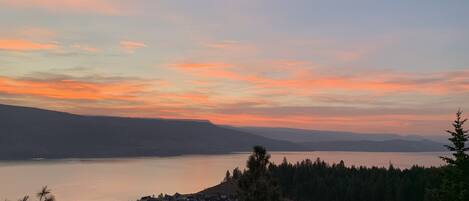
{"type": "Point", "coordinates": [236, 173]}
{"type": "Point", "coordinates": [459, 137]}
{"type": "Point", "coordinates": [227, 176]}
{"type": "Point", "coordinates": [455, 186]}
{"type": "Point", "coordinates": [256, 183]}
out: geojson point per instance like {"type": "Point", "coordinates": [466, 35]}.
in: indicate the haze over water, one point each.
{"type": "Point", "coordinates": [126, 179]}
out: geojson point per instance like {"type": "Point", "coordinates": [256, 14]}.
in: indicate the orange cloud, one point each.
{"type": "Point", "coordinates": [76, 6]}
{"type": "Point", "coordinates": [71, 89]}
{"type": "Point", "coordinates": [66, 88]}
{"type": "Point", "coordinates": [24, 45]}
{"type": "Point", "coordinates": [131, 46]}
{"type": "Point", "coordinates": [305, 82]}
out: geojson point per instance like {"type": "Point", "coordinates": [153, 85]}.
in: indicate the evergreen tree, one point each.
{"type": "Point", "coordinates": [237, 173]}
{"type": "Point", "coordinates": [458, 138]}
{"type": "Point", "coordinates": [455, 186]}
{"type": "Point", "coordinates": [256, 184]}
{"type": "Point", "coordinates": [316, 180]}
{"type": "Point", "coordinates": [227, 176]}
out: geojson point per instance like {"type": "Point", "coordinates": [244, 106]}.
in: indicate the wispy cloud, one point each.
{"type": "Point", "coordinates": [25, 45]}
{"type": "Point", "coordinates": [302, 81]}
{"type": "Point", "coordinates": [229, 47]}
{"type": "Point", "coordinates": [226, 44]}
{"type": "Point", "coordinates": [130, 46]}
{"type": "Point", "coordinates": [115, 91]}
{"type": "Point", "coordinates": [73, 88]}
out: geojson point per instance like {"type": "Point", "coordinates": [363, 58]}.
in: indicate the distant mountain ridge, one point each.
{"type": "Point", "coordinates": [27, 133]}
{"type": "Point", "coordinates": [305, 135]}
{"type": "Point", "coordinates": [347, 141]}
{"type": "Point", "coordinates": [376, 146]}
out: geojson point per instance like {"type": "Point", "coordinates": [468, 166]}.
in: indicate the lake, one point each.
{"type": "Point", "coordinates": [126, 179]}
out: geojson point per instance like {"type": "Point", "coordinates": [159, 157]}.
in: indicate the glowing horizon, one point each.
{"type": "Point", "coordinates": [310, 64]}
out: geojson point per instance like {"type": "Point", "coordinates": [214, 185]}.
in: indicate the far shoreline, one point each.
{"type": "Point", "coordinates": [175, 156]}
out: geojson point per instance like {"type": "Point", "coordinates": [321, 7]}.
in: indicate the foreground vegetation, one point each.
{"type": "Point", "coordinates": [318, 181]}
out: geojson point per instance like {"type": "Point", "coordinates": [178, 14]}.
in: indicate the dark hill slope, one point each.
{"type": "Point", "coordinates": [35, 133]}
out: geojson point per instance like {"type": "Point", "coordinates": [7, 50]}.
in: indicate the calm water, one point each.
{"type": "Point", "coordinates": [130, 178]}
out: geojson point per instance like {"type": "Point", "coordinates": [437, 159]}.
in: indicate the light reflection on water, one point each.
{"type": "Point", "coordinates": [124, 179]}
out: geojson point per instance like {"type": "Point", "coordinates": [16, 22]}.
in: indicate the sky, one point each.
{"type": "Point", "coordinates": [364, 66]}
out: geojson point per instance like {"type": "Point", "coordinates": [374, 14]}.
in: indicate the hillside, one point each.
{"type": "Point", "coordinates": [35, 133]}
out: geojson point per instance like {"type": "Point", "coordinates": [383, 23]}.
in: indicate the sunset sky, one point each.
{"type": "Point", "coordinates": [400, 67]}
